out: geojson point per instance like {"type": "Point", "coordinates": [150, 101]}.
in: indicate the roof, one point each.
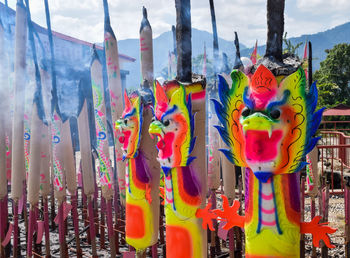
{"type": "Point", "coordinates": [339, 110]}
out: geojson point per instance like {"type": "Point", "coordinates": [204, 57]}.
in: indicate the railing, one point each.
{"type": "Point", "coordinates": [334, 159]}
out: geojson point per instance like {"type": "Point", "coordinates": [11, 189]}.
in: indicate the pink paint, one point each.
{"type": "Point", "coordinates": [259, 147]}
{"type": "Point", "coordinates": [126, 139]}
{"type": "Point", "coordinates": [271, 211]}
{"type": "Point", "coordinates": [268, 223]}
{"type": "Point", "coordinates": [144, 49]}
{"type": "Point", "coordinates": [169, 201]}
{"type": "Point", "coordinates": [262, 99]}
{"type": "Point", "coordinates": [267, 197]}
{"type": "Point", "coordinates": [166, 149]}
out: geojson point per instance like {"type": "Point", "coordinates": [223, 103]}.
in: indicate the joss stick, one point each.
{"type": "Point", "coordinates": [45, 155]}
{"type": "Point", "coordinates": [183, 40]}
{"type": "Point", "coordinates": [184, 75]}
{"type": "Point", "coordinates": [18, 164]}
{"type": "Point", "coordinates": [215, 35]}
{"type": "Point", "coordinates": [37, 126]}
{"type": "Point", "coordinates": [275, 27]}
{"type": "Point", "coordinates": [173, 30]}
{"type": "Point", "coordinates": [106, 175]}
{"type": "Point", "coordinates": [309, 65]}
{"type": "Point", "coordinates": [115, 91]}
{"type": "Point", "coordinates": [146, 47]}
{"type": "Point", "coordinates": [147, 145]}
{"type": "Point", "coordinates": [3, 180]}
{"type": "Point", "coordinates": [71, 179]}
{"type": "Point", "coordinates": [87, 171]}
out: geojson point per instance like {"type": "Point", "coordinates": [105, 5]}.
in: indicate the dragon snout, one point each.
{"type": "Point", "coordinates": [257, 122]}
{"type": "Point", "coordinates": [155, 128]}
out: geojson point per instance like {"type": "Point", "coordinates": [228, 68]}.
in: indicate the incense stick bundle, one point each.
{"type": "Point", "coordinates": [106, 175]}
{"type": "Point", "coordinates": [115, 90]}
{"type": "Point", "coordinates": [146, 49]}
{"type": "Point", "coordinates": [87, 170]}
{"type": "Point", "coordinates": [33, 185]}
{"type": "Point", "coordinates": [147, 144]}
{"type": "Point", "coordinates": [3, 180]}
{"type": "Point", "coordinates": [46, 139]}
{"type": "Point", "coordinates": [213, 153]}
{"type": "Point", "coordinates": [228, 169]}
{"type": "Point", "coordinates": [68, 158]}
{"type": "Point", "coordinates": [17, 162]}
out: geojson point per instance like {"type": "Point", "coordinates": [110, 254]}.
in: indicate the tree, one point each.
{"type": "Point", "coordinates": [289, 47]}
{"type": "Point", "coordinates": [333, 77]}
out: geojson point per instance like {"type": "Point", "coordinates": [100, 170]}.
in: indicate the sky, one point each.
{"type": "Point", "coordinates": [83, 19]}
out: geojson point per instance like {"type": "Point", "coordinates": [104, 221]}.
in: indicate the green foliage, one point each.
{"type": "Point", "coordinates": [333, 77]}
{"type": "Point", "coordinates": [289, 47]}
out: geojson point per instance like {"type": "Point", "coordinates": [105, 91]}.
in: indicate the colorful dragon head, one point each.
{"type": "Point", "coordinates": [268, 122]}
{"type": "Point", "coordinates": [129, 126]}
{"type": "Point", "coordinates": [173, 125]}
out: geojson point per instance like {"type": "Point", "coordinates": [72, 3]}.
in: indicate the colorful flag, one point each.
{"type": "Point", "coordinates": [253, 56]}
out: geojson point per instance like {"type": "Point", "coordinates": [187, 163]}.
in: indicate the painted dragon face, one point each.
{"type": "Point", "coordinates": [128, 127]}
{"type": "Point", "coordinates": [173, 125]}
{"type": "Point", "coordinates": [268, 122]}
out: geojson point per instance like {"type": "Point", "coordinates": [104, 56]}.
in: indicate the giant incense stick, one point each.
{"type": "Point", "coordinates": [115, 90]}
{"type": "Point", "coordinates": [180, 135]}
{"type": "Point", "coordinates": [259, 117]}
{"type": "Point", "coordinates": [3, 180]}
{"type": "Point", "coordinates": [18, 163]}
{"type": "Point", "coordinates": [87, 170]}
{"type": "Point", "coordinates": [146, 49]}
{"type": "Point", "coordinates": [106, 175]}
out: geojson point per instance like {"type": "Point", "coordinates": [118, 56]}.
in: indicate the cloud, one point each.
{"type": "Point", "coordinates": [84, 19]}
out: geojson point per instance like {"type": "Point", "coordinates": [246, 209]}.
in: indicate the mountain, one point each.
{"type": "Point", "coordinates": [320, 42]}
{"type": "Point", "coordinates": [164, 43]}
{"type": "Point", "coordinates": [161, 47]}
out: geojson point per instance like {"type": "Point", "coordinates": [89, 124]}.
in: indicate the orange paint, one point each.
{"type": "Point", "coordinates": [179, 242]}
{"type": "Point", "coordinates": [135, 228]}
{"type": "Point", "coordinates": [179, 141]}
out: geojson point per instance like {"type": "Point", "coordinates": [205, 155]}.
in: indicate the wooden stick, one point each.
{"type": "Point", "coordinates": [74, 201]}
{"type": "Point", "coordinates": [92, 228]}
{"type": "Point", "coordinates": [46, 227]}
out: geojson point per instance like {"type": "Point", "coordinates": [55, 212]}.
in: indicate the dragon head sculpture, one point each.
{"type": "Point", "coordinates": [129, 126]}
{"type": "Point", "coordinates": [173, 125]}
{"type": "Point", "coordinates": [268, 122]}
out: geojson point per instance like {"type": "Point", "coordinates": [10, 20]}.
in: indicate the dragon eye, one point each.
{"type": "Point", "coordinates": [125, 121]}
{"type": "Point", "coordinates": [166, 122]}
{"type": "Point", "coordinates": [246, 111]}
{"type": "Point", "coordinates": [275, 114]}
